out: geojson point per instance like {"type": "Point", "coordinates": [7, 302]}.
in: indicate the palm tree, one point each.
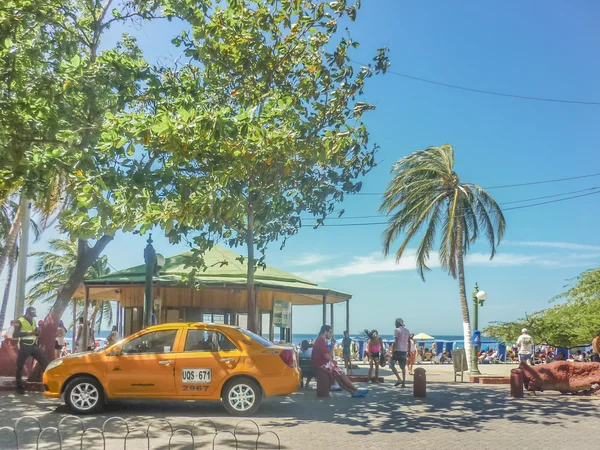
{"type": "Point", "coordinates": [53, 269]}
{"type": "Point", "coordinates": [425, 194]}
{"type": "Point", "coordinates": [47, 206]}
{"type": "Point", "coordinates": [9, 223]}
{"type": "Point", "coordinates": [12, 261]}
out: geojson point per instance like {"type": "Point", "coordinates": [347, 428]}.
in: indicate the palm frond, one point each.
{"type": "Point", "coordinates": [426, 193]}
{"type": "Point", "coordinates": [428, 241]}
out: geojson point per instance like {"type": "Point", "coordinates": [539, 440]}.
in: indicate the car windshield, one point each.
{"type": "Point", "coordinates": [255, 337]}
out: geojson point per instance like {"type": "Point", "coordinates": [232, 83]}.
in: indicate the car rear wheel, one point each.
{"type": "Point", "coordinates": [84, 395]}
{"type": "Point", "coordinates": [242, 396]}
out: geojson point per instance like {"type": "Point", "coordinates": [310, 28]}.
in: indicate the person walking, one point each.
{"type": "Point", "coordinates": [374, 349]}
{"type": "Point", "coordinates": [525, 344]}
{"type": "Point", "coordinates": [412, 354]}
{"type": "Point", "coordinates": [346, 344]}
{"type": "Point", "coordinates": [399, 350]}
{"type": "Point", "coordinates": [321, 358]}
{"type": "Point", "coordinates": [59, 341]}
{"type": "Point", "coordinates": [596, 348]}
{"type": "Point", "coordinates": [26, 331]}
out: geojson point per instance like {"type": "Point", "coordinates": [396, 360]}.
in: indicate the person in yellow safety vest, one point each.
{"type": "Point", "coordinates": [27, 332]}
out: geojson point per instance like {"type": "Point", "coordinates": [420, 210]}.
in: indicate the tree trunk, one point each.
{"type": "Point", "coordinates": [11, 239]}
{"type": "Point", "coordinates": [86, 257]}
{"type": "Point", "coordinates": [11, 269]}
{"type": "Point", "coordinates": [463, 296]}
{"type": "Point", "coordinates": [252, 316]}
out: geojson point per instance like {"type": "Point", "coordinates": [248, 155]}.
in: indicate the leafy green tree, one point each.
{"type": "Point", "coordinates": [85, 86]}
{"type": "Point", "coordinates": [31, 45]}
{"type": "Point", "coordinates": [573, 323]}
{"type": "Point", "coordinates": [426, 195]}
{"type": "Point", "coordinates": [263, 123]}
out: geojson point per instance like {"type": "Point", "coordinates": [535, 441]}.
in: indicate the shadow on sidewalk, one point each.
{"type": "Point", "coordinates": [457, 407]}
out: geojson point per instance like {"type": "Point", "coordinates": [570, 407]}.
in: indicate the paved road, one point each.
{"type": "Point", "coordinates": [453, 416]}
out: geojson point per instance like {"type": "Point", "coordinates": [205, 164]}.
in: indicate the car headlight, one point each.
{"type": "Point", "coordinates": [54, 364]}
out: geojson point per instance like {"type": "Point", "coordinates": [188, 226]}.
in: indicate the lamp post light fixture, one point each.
{"type": "Point", "coordinates": [478, 298]}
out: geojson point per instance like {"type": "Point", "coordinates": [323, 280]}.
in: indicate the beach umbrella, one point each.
{"type": "Point", "coordinates": [423, 337]}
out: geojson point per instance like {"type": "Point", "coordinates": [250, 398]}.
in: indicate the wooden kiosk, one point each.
{"type": "Point", "coordinates": [218, 294]}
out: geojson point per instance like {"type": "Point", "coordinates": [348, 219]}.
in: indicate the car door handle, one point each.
{"type": "Point", "coordinates": [227, 360]}
{"type": "Point", "coordinates": [165, 362]}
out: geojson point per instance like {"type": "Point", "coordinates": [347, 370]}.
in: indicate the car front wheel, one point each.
{"type": "Point", "coordinates": [242, 396]}
{"type": "Point", "coordinates": [84, 395]}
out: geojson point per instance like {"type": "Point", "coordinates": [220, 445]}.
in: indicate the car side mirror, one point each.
{"type": "Point", "coordinates": [117, 351]}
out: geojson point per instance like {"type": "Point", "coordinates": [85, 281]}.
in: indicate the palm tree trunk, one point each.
{"type": "Point", "coordinates": [463, 295]}
{"type": "Point", "coordinates": [94, 314]}
{"type": "Point", "coordinates": [92, 326]}
{"type": "Point", "coordinates": [11, 269]}
{"type": "Point", "coordinates": [101, 316]}
{"type": "Point", "coordinates": [11, 239]}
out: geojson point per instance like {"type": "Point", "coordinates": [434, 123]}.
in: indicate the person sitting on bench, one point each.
{"type": "Point", "coordinates": [305, 363]}
{"type": "Point", "coordinates": [322, 359]}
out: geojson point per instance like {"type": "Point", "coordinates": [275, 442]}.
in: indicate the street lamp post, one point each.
{"type": "Point", "coordinates": [478, 299]}
{"type": "Point", "coordinates": [150, 260]}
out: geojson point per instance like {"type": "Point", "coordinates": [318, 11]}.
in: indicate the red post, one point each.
{"type": "Point", "coordinates": [516, 383]}
{"type": "Point", "coordinates": [420, 383]}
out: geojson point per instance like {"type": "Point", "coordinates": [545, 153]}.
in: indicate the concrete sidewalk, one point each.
{"type": "Point", "coordinates": [453, 416]}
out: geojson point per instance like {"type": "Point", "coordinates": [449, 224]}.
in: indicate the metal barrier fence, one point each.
{"type": "Point", "coordinates": [93, 436]}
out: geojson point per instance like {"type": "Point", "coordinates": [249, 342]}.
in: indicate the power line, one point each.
{"type": "Point", "coordinates": [551, 201]}
{"type": "Point", "coordinates": [506, 209]}
{"type": "Point", "coordinates": [543, 182]}
{"type": "Point", "coordinates": [550, 196]}
{"type": "Point", "coordinates": [529, 183]}
{"type": "Point", "coordinates": [483, 91]}
{"type": "Point", "coordinates": [501, 203]}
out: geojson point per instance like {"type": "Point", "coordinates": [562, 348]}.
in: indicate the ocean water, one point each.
{"type": "Point", "coordinates": [297, 338]}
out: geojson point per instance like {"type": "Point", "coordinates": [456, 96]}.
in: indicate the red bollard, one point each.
{"type": "Point", "coordinates": [419, 383]}
{"type": "Point", "coordinates": [516, 383]}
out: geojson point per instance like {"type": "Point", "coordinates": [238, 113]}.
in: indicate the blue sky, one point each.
{"type": "Point", "coordinates": [535, 48]}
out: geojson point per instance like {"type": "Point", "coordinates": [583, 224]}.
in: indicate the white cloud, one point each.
{"type": "Point", "coordinates": [363, 265]}
{"type": "Point", "coordinates": [559, 245]}
{"type": "Point", "coordinates": [309, 259]}
{"type": "Point", "coordinates": [375, 263]}
{"type": "Point", "coordinates": [511, 259]}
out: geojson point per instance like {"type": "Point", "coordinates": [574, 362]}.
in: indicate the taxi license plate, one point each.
{"type": "Point", "coordinates": [196, 375]}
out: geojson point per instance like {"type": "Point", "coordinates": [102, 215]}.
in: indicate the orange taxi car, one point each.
{"type": "Point", "coordinates": [185, 361]}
